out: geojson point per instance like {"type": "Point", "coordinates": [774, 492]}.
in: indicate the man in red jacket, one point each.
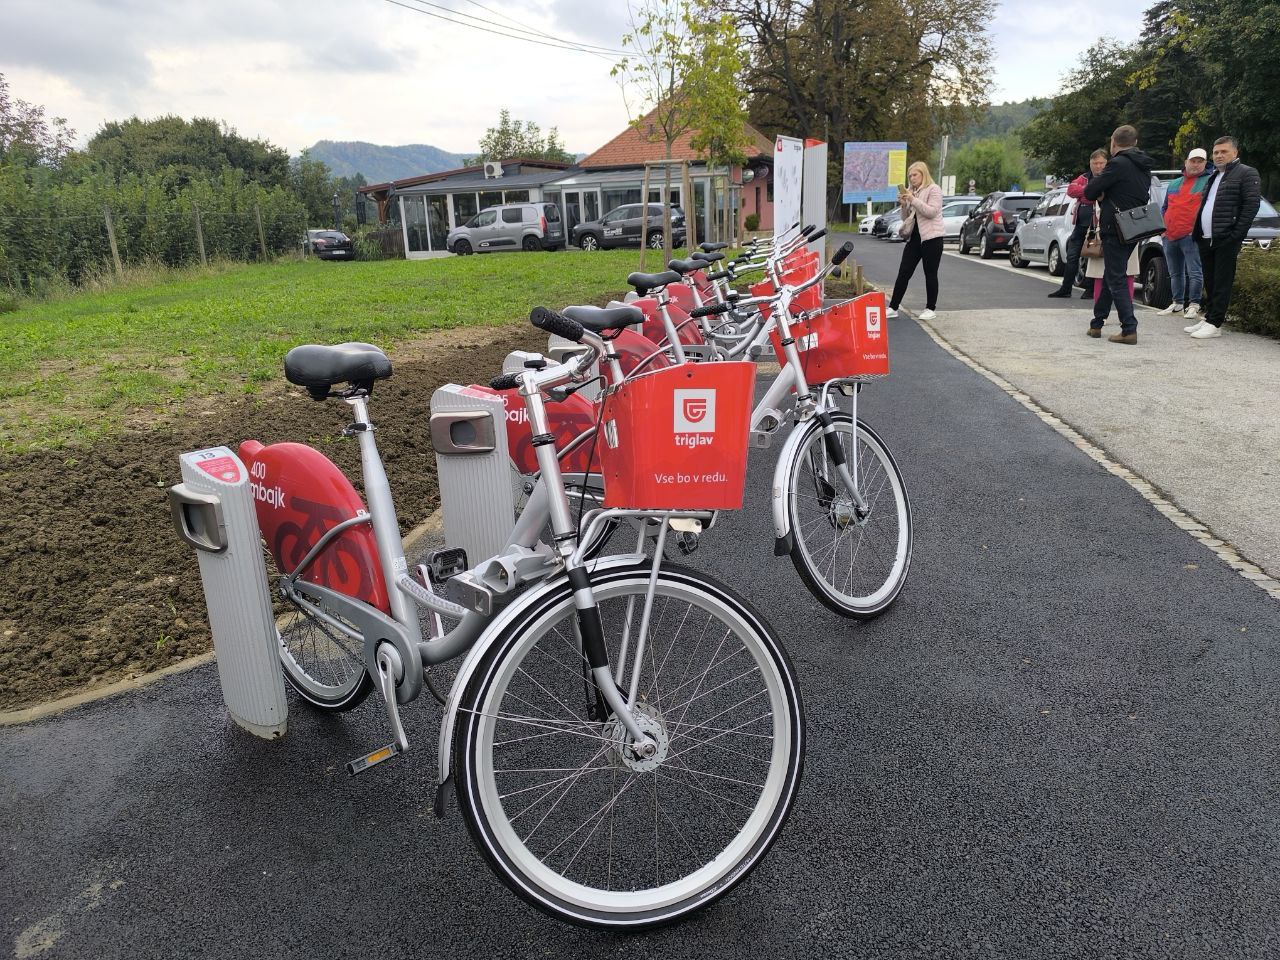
{"type": "Point", "coordinates": [1182, 257]}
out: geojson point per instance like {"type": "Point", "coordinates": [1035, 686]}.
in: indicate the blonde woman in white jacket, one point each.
{"type": "Point", "coordinates": [922, 226]}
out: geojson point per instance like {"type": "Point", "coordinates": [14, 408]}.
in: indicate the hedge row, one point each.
{"type": "Point", "coordinates": [1255, 299]}
{"type": "Point", "coordinates": [54, 230]}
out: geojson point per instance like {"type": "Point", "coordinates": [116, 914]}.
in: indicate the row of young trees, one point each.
{"type": "Point", "coordinates": [1200, 69]}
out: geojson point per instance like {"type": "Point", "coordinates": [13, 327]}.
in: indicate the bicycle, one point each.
{"type": "Point", "coordinates": [625, 737]}
{"type": "Point", "coordinates": [840, 506]}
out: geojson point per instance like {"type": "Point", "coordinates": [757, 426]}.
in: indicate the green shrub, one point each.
{"type": "Point", "coordinates": [370, 243]}
{"type": "Point", "coordinates": [1255, 300]}
{"type": "Point", "coordinates": [752, 222]}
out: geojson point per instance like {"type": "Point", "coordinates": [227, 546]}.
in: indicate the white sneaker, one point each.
{"type": "Point", "coordinates": [1207, 331]}
{"type": "Point", "coordinates": [925, 315]}
{"type": "Point", "coordinates": [1194, 327]}
{"type": "Point", "coordinates": [1170, 309]}
{"type": "Point", "coordinates": [1193, 311]}
{"type": "Point", "coordinates": [891, 314]}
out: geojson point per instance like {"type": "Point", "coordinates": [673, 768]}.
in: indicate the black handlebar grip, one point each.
{"type": "Point", "coordinates": [794, 225]}
{"type": "Point", "coordinates": [505, 381]}
{"type": "Point", "coordinates": [710, 310]}
{"type": "Point", "coordinates": [809, 229]}
{"type": "Point", "coordinates": [718, 275]}
{"type": "Point", "coordinates": [843, 253]}
{"type": "Point", "coordinates": [818, 236]}
{"type": "Point", "coordinates": [556, 323]}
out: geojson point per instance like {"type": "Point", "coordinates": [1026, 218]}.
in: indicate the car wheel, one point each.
{"type": "Point", "coordinates": [530, 244]}
{"type": "Point", "coordinates": [985, 250]}
{"type": "Point", "coordinates": [589, 242]}
{"type": "Point", "coordinates": [655, 239]}
{"type": "Point", "coordinates": [1055, 261]}
{"type": "Point", "coordinates": [1156, 290]}
{"type": "Point", "coordinates": [462, 248]}
{"type": "Point", "coordinates": [964, 243]}
{"type": "Point", "coordinates": [1015, 256]}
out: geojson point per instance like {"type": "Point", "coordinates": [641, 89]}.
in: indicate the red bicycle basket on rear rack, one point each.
{"type": "Point", "coordinates": [846, 341]}
{"type": "Point", "coordinates": [676, 439]}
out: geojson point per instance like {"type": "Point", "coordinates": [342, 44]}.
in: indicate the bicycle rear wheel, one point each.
{"type": "Point", "coordinates": [323, 662]}
{"type": "Point", "coordinates": [568, 816]}
{"type": "Point", "coordinates": [855, 565]}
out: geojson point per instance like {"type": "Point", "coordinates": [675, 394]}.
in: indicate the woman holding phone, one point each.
{"type": "Point", "coordinates": [921, 202]}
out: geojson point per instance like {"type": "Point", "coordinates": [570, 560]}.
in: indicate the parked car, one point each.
{"type": "Point", "coordinates": [1042, 236]}
{"type": "Point", "coordinates": [886, 226]}
{"type": "Point", "coordinates": [620, 227]}
{"type": "Point", "coordinates": [866, 224]}
{"type": "Point", "coordinates": [991, 225]}
{"type": "Point", "coordinates": [511, 226]}
{"type": "Point", "coordinates": [1153, 274]}
{"type": "Point", "coordinates": [955, 211]}
{"type": "Point", "coordinates": [329, 245]}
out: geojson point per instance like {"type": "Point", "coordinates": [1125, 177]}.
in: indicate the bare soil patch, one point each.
{"type": "Point", "coordinates": [96, 587]}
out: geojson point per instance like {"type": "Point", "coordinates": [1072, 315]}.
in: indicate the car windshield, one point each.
{"type": "Point", "coordinates": [1265, 209]}
{"type": "Point", "coordinates": [330, 235]}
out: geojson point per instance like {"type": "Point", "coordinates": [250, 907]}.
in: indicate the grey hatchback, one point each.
{"type": "Point", "coordinates": [512, 226]}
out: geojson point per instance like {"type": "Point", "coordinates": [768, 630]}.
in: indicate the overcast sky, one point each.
{"type": "Point", "coordinates": [297, 71]}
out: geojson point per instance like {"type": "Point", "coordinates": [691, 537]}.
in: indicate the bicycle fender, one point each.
{"type": "Point", "coordinates": [782, 470]}
{"type": "Point", "coordinates": [522, 606]}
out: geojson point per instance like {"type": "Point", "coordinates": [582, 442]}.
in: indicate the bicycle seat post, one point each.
{"type": "Point", "coordinates": [382, 510]}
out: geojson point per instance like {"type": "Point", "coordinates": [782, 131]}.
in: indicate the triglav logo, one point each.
{"type": "Point", "coordinates": [873, 322]}
{"type": "Point", "coordinates": [695, 413]}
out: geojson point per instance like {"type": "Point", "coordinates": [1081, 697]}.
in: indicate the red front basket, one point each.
{"type": "Point", "coordinates": [676, 439]}
{"type": "Point", "coordinates": [849, 340]}
{"type": "Point", "coordinates": [803, 272]}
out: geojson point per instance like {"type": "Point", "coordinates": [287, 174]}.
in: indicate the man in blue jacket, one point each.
{"type": "Point", "coordinates": [1230, 203]}
{"type": "Point", "coordinates": [1126, 183]}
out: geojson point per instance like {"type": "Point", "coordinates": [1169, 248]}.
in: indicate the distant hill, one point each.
{"type": "Point", "coordinates": [346, 158]}
{"type": "Point", "coordinates": [1001, 119]}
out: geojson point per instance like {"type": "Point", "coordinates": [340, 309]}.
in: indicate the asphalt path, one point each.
{"type": "Point", "coordinates": [1058, 743]}
{"type": "Point", "coordinates": [965, 281]}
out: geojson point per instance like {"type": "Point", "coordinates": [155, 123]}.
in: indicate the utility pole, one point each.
{"type": "Point", "coordinates": [262, 238]}
{"type": "Point", "coordinates": [204, 260]}
{"type": "Point", "coordinates": [111, 236]}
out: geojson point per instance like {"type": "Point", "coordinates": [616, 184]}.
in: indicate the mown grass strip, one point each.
{"type": "Point", "coordinates": [71, 368]}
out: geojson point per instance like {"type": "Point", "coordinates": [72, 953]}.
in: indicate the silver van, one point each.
{"type": "Point", "coordinates": [512, 226]}
{"type": "Point", "coordinates": [1042, 236]}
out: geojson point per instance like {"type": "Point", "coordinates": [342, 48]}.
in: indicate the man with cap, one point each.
{"type": "Point", "coordinates": [1182, 257]}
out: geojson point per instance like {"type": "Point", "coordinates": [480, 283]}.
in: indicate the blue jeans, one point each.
{"type": "Point", "coordinates": [1182, 256]}
{"type": "Point", "coordinates": [1115, 283]}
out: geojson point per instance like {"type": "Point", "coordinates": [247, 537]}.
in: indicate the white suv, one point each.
{"type": "Point", "coordinates": [1042, 236]}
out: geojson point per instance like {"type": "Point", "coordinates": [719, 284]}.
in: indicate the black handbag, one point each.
{"type": "Point", "coordinates": [1138, 223]}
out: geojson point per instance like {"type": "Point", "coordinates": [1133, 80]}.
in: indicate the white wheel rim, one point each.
{"type": "Point", "coordinates": [702, 880]}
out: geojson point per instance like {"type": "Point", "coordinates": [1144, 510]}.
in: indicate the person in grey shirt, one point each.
{"type": "Point", "coordinates": [1230, 203]}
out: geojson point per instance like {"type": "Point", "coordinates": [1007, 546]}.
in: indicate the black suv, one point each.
{"type": "Point", "coordinates": [620, 227]}
{"type": "Point", "coordinates": [993, 222]}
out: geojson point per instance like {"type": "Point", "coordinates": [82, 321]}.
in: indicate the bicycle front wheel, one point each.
{"type": "Point", "coordinates": [568, 816]}
{"type": "Point", "coordinates": [855, 564]}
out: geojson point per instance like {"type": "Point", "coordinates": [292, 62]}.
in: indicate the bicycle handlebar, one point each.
{"type": "Point", "coordinates": [556, 323]}
{"type": "Point", "coordinates": [710, 310]}
{"type": "Point", "coordinates": [505, 381]}
{"type": "Point", "coordinates": [842, 254]}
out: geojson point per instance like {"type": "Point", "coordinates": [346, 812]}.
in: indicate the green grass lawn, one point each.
{"type": "Point", "coordinates": [69, 369]}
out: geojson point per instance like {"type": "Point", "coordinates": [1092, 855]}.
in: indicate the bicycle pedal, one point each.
{"type": "Point", "coordinates": [361, 764]}
{"type": "Point", "coordinates": [761, 438]}
{"type": "Point", "coordinates": [445, 564]}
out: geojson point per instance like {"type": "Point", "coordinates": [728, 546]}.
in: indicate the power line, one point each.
{"type": "Point", "coordinates": [554, 43]}
{"type": "Point", "coordinates": [541, 33]}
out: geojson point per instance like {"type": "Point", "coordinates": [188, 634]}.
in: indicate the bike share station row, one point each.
{"type": "Point", "coordinates": [582, 671]}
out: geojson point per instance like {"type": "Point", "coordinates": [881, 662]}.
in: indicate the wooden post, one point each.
{"type": "Point", "coordinates": [691, 207]}
{"type": "Point", "coordinates": [859, 284]}
{"type": "Point", "coordinates": [111, 236]}
{"type": "Point", "coordinates": [262, 237]}
{"type": "Point", "coordinates": [204, 260]}
{"type": "Point", "coordinates": [644, 217]}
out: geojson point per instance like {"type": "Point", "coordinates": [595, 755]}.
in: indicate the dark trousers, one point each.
{"type": "Point", "coordinates": [1115, 283]}
{"type": "Point", "coordinates": [1219, 262]}
{"type": "Point", "coordinates": [930, 251]}
{"type": "Point", "coordinates": [1071, 265]}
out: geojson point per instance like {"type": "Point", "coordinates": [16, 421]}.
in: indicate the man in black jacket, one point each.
{"type": "Point", "coordinates": [1230, 203]}
{"type": "Point", "coordinates": [1126, 183]}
